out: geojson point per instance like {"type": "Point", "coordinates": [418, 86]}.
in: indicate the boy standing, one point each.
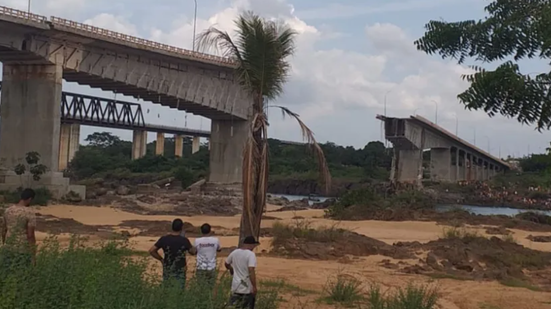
{"type": "Point", "coordinates": [207, 246]}
{"type": "Point", "coordinates": [242, 264]}
{"type": "Point", "coordinates": [174, 247]}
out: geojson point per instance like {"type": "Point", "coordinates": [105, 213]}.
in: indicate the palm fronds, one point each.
{"type": "Point", "coordinates": [261, 49]}
{"type": "Point", "coordinates": [308, 137]}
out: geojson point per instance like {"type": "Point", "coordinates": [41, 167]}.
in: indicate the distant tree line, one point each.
{"type": "Point", "coordinates": [107, 156]}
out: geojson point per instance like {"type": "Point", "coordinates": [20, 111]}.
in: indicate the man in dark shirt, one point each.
{"type": "Point", "coordinates": [174, 246]}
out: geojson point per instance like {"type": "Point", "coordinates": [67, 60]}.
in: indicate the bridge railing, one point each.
{"type": "Point", "coordinates": [138, 41]}
{"type": "Point", "coordinates": [22, 14]}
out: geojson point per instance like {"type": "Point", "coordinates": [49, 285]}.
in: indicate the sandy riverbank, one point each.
{"type": "Point", "coordinates": [313, 275]}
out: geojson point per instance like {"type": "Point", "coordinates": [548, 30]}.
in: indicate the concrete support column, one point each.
{"type": "Point", "coordinates": [457, 177]}
{"type": "Point", "coordinates": [468, 166]}
{"type": "Point", "coordinates": [407, 165]}
{"type": "Point", "coordinates": [178, 145]}
{"type": "Point", "coordinates": [474, 168]}
{"type": "Point", "coordinates": [463, 166]}
{"type": "Point", "coordinates": [227, 140]}
{"type": "Point", "coordinates": [68, 144]}
{"type": "Point", "coordinates": [139, 143]}
{"type": "Point", "coordinates": [485, 170]}
{"type": "Point", "coordinates": [160, 144]}
{"type": "Point", "coordinates": [195, 145]}
{"type": "Point", "coordinates": [30, 113]}
{"type": "Point", "coordinates": [440, 164]}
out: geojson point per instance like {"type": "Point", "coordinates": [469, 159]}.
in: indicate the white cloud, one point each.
{"type": "Point", "coordinates": [336, 90]}
{"type": "Point", "coordinates": [111, 22]}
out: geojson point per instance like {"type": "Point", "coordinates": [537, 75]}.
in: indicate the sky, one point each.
{"type": "Point", "coordinates": [352, 60]}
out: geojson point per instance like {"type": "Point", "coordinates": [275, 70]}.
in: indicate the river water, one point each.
{"type": "Point", "coordinates": [477, 210]}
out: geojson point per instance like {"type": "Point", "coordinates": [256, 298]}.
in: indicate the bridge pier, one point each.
{"type": "Point", "coordinates": [441, 164]}
{"type": "Point", "coordinates": [195, 145]}
{"type": "Point", "coordinates": [406, 166]}
{"type": "Point", "coordinates": [31, 121]}
{"type": "Point", "coordinates": [160, 144]}
{"type": "Point", "coordinates": [139, 143]}
{"type": "Point", "coordinates": [68, 144]}
{"type": "Point", "coordinates": [227, 140]}
{"type": "Point", "coordinates": [178, 145]}
{"type": "Point", "coordinates": [31, 113]}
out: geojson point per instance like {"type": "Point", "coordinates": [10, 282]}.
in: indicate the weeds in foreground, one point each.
{"type": "Point", "coordinates": [347, 291]}
{"type": "Point", "coordinates": [411, 297]}
{"type": "Point", "coordinates": [343, 289]}
{"type": "Point", "coordinates": [83, 277]}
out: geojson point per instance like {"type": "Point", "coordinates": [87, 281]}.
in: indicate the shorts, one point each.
{"type": "Point", "coordinates": [243, 301]}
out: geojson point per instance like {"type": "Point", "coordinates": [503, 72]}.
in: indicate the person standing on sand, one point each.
{"type": "Point", "coordinates": [242, 264]}
{"type": "Point", "coordinates": [174, 247]}
{"type": "Point", "coordinates": [18, 231]}
{"type": "Point", "coordinates": [207, 246]}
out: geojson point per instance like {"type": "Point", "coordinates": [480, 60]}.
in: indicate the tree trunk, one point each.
{"type": "Point", "coordinates": [258, 197]}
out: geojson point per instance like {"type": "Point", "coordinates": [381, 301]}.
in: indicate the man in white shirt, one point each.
{"type": "Point", "coordinates": [207, 247]}
{"type": "Point", "coordinates": [242, 264]}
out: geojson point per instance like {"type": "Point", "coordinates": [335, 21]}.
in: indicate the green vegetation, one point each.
{"type": "Point", "coordinates": [302, 229]}
{"type": "Point", "coordinates": [343, 289]}
{"type": "Point", "coordinates": [411, 297]}
{"type": "Point", "coordinates": [79, 277]}
{"type": "Point", "coordinates": [369, 203]}
{"type": "Point", "coordinates": [459, 233]}
{"type": "Point", "coordinates": [512, 30]}
{"type": "Point", "coordinates": [43, 196]}
{"type": "Point", "coordinates": [348, 291]}
{"type": "Point", "coordinates": [108, 158]}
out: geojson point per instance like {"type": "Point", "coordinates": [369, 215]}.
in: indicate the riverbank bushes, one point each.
{"type": "Point", "coordinates": [106, 277]}
{"type": "Point", "coordinates": [370, 204]}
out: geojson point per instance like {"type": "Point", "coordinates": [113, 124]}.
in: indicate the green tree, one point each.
{"type": "Point", "coordinates": [260, 49]}
{"type": "Point", "coordinates": [512, 30]}
{"type": "Point", "coordinates": [102, 139]}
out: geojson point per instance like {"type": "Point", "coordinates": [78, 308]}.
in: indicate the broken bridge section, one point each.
{"type": "Point", "coordinates": [451, 158]}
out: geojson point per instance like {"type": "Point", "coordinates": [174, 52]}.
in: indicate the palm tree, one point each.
{"type": "Point", "coordinates": [260, 49]}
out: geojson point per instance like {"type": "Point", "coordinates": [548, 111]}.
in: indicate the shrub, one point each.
{"type": "Point", "coordinates": [343, 289]}
{"type": "Point", "coordinates": [459, 233]}
{"type": "Point", "coordinates": [185, 176]}
{"type": "Point", "coordinates": [105, 277]}
{"type": "Point", "coordinates": [282, 232]}
{"type": "Point", "coordinates": [43, 196]}
{"type": "Point", "coordinates": [411, 297]}
{"type": "Point", "coordinates": [368, 204]}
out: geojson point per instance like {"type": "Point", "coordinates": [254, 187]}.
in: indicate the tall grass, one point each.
{"type": "Point", "coordinates": [411, 297]}
{"type": "Point", "coordinates": [343, 289]}
{"type": "Point", "coordinates": [106, 277]}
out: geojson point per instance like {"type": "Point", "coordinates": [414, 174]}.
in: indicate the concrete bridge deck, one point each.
{"type": "Point", "coordinates": [452, 158]}
{"type": "Point", "coordinates": [198, 83]}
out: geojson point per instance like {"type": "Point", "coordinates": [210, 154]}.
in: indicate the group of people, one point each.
{"type": "Point", "coordinates": [241, 263]}
{"type": "Point", "coordinates": [19, 223]}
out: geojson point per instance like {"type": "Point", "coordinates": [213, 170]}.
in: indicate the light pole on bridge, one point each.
{"type": "Point", "coordinates": [194, 23]}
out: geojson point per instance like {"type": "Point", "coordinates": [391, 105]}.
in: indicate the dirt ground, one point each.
{"type": "Point", "coordinates": [103, 222]}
